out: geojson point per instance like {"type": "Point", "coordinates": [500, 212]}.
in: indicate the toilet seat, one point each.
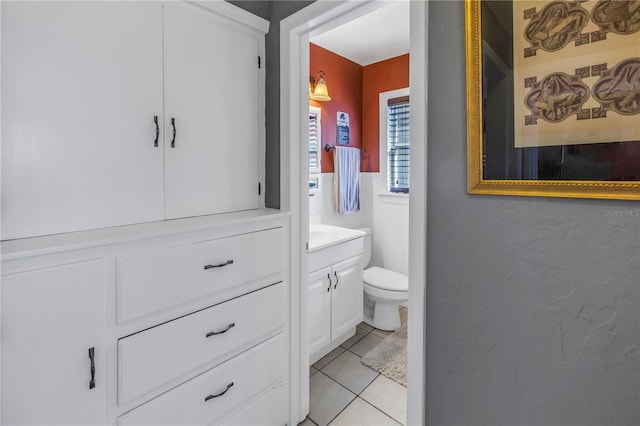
{"type": "Point", "coordinates": [385, 279]}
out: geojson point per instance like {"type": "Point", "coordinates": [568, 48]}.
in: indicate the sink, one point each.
{"type": "Point", "coordinates": [322, 236]}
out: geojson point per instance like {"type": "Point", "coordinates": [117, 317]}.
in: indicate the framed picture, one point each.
{"type": "Point", "coordinates": [342, 133]}
{"type": "Point", "coordinates": [553, 98]}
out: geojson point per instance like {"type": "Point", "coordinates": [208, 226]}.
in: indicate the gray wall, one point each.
{"type": "Point", "coordinates": [533, 312]}
{"type": "Point", "coordinates": [274, 11]}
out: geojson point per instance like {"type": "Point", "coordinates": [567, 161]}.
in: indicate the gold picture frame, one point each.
{"type": "Point", "coordinates": [477, 184]}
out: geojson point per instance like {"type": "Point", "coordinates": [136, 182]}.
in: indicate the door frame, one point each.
{"type": "Point", "coordinates": [295, 32]}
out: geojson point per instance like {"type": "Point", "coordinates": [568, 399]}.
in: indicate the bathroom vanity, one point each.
{"type": "Point", "coordinates": [335, 287]}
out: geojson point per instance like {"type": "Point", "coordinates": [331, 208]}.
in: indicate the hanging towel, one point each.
{"type": "Point", "coordinates": [346, 179]}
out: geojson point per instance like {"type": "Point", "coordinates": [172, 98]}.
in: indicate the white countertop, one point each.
{"type": "Point", "coordinates": [321, 236]}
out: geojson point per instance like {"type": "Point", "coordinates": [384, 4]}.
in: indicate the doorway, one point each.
{"type": "Point", "coordinates": [295, 32]}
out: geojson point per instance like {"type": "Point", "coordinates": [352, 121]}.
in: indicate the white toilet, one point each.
{"type": "Point", "coordinates": [383, 291]}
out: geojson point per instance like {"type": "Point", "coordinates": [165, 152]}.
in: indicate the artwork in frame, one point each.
{"type": "Point", "coordinates": [553, 98]}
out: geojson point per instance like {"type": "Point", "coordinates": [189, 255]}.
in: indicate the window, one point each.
{"type": "Point", "coordinates": [398, 144]}
{"type": "Point", "coordinates": [314, 149]}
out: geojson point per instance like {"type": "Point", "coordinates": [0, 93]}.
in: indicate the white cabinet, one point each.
{"type": "Point", "coordinates": [211, 100]}
{"type": "Point", "coordinates": [347, 296]}
{"type": "Point", "coordinates": [60, 297]}
{"type": "Point", "coordinates": [78, 103]}
{"type": "Point", "coordinates": [51, 319]}
{"type": "Point", "coordinates": [335, 305]}
{"type": "Point", "coordinates": [159, 119]}
{"type": "Point", "coordinates": [319, 310]}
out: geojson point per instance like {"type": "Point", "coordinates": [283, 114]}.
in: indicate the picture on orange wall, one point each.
{"type": "Point", "coordinates": [342, 121]}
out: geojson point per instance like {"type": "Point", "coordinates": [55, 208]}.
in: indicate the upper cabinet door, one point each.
{"type": "Point", "coordinates": [212, 84]}
{"type": "Point", "coordinates": [81, 84]}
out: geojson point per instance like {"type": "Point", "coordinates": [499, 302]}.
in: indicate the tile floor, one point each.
{"type": "Point", "coordinates": [343, 391]}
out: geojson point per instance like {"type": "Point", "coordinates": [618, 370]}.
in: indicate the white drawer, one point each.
{"type": "Point", "coordinates": [243, 377]}
{"type": "Point", "coordinates": [269, 410]}
{"type": "Point", "coordinates": [163, 354]}
{"type": "Point", "coordinates": [150, 282]}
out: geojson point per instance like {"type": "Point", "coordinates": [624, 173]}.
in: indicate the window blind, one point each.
{"type": "Point", "coordinates": [398, 144]}
{"type": "Point", "coordinates": [314, 143]}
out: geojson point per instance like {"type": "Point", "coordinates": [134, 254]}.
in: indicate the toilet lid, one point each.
{"type": "Point", "coordinates": [385, 279]}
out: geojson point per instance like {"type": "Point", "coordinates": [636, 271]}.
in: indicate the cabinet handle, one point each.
{"type": "Point", "coordinates": [329, 278]}
{"type": "Point", "coordinates": [92, 354]}
{"type": "Point", "coordinates": [220, 265]}
{"type": "Point", "coordinates": [213, 333]}
{"type": "Point", "coordinates": [219, 394]}
{"type": "Point", "coordinates": [336, 284]}
{"type": "Point", "coordinates": [155, 120]}
{"type": "Point", "coordinates": [173, 141]}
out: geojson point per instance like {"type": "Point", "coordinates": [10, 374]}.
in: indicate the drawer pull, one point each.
{"type": "Point", "coordinates": [228, 262]}
{"type": "Point", "coordinates": [155, 120]}
{"type": "Point", "coordinates": [213, 333]}
{"type": "Point", "coordinates": [92, 354]}
{"type": "Point", "coordinates": [329, 278]}
{"type": "Point", "coordinates": [219, 394]}
{"type": "Point", "coordinates": [337, 280]}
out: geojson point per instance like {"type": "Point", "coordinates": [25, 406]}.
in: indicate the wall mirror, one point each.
{"type": "Point", "coordinates": [553, 98]}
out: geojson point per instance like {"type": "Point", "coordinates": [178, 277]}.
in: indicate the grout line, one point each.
{"type": "Point", "coordinates": [386, 414]}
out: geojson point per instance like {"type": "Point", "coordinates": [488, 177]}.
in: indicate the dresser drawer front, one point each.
{"type": "Point", "coordinates": [243, 377]}
{"type": "Point", "coordinates": [162, 355]}
{"type": "Point", "coordinates": [150, 282]}
{"type": "Point", "coordinates": [269, 410]}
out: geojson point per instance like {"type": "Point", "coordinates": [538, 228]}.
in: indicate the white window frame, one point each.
{"type": "Point", "coordinates": [384, 129]}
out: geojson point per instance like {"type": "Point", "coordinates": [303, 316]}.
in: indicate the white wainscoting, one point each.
{"type": "Point", "coordinates": [387, 215]}
{"type": "Point", "coordinates": [390, 229]}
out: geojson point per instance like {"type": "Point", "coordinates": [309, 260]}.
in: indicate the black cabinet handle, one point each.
{"type": "Point", "coordinates": [220, 265]}
{"type": "Point", "coordinates": [173, 141]}
{"type": "Point", "coordinates": [155, 120]}
{"type": "Point", "coordinates": [213, 333]}
{"type": "Point", "coordinates": [336, 284]}
{"type": "Point", "coordinates": [219, 394]}
{"type": "Point", "coordinates": [92, 354]}
{"type": "Point", "coordinates": [329, 278]}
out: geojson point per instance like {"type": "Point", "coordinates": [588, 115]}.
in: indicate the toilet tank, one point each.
{"type": "Point", "coordinates": [366, 253]}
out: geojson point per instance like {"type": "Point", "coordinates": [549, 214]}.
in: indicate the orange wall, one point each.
{"type": "Point", "coordinates": [355, 89]}
{"type": "Point", "coordinates": [344, 82]}
{"type": "Point", "coordinates": [380, 77]}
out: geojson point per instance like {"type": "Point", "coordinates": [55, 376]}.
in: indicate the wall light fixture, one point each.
{"type": "Point", "coordinates": [318, 88]}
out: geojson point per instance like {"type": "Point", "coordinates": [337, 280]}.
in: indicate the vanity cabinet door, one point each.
{"type": "Point", "coordinates": [319, 317]}
{"type": "Point", "coordinates": [347, 296]}
{"type": "Point", "coordinates": [81, 85]}
{"type": "Point", "coordinates": [51, 318]}
{"type": "Point", "coordinates": [211, 91]}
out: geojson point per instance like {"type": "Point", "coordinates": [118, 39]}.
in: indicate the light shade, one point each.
{"type": "Point", "coordinates": [318, 89]}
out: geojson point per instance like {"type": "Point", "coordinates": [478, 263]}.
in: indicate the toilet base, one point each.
{"type": "Point", "coordinates": [383, 316]}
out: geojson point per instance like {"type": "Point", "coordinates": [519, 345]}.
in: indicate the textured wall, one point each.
{"type": "Point", "coordinates": [533, 312]}
{"type": "Point", "coordinates": [344, 81]}
{"type": "Point", "coordinates": [383, 76]}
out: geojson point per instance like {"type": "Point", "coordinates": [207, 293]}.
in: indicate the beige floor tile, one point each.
{"type": "Point", "coordinates": [361, 413]}
{"type": "Point", "coordinates": [365, 344]}
{"type": "Point", "coordinates": [360, 333]}
{"type": "Point", "coordinates": [307, 422]}
{"type": "Point", "coordinates": [328, 358]}
{"type": "Point", "coordinates": [312, 371]}
{"type": "Point", "coordinates": [326, 399]}
{"type": "Point", "coordinates": [350, 372]}
{"type": "Point", "coordinates": [364, 326]}
{"type": "Point", "coordinates": [388, 396]}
